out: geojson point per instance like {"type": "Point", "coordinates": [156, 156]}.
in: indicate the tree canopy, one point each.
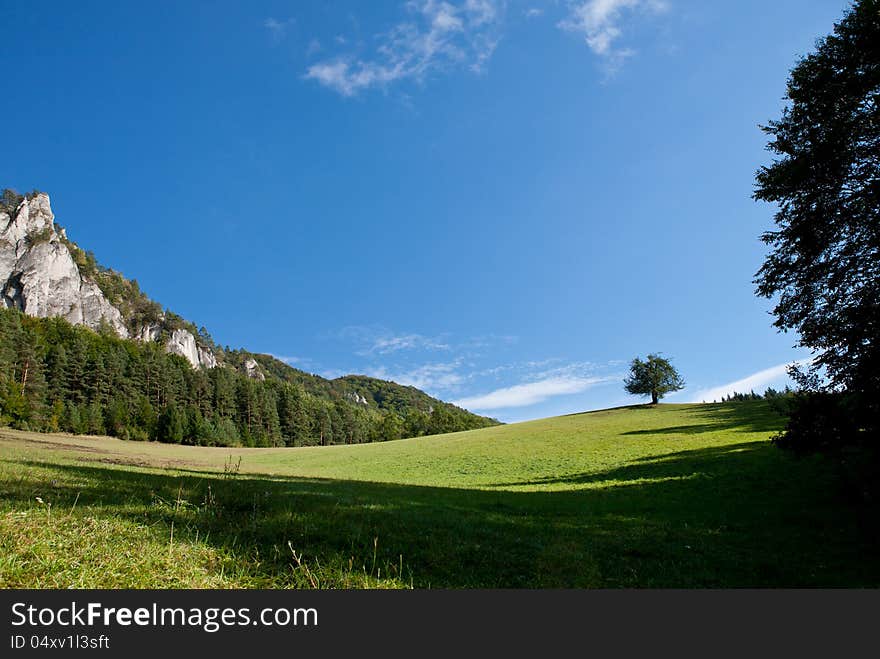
{"type": "Point", "coordinates": [824, 265]}
{"type": "Point", "coordinates": [654, 377]}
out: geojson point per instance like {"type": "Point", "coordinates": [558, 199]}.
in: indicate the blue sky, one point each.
{"type": "Point", "coordinates": [500, 202]}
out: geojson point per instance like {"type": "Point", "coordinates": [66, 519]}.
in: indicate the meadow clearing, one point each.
{"type": "Point", "coordinates": [644, 496]}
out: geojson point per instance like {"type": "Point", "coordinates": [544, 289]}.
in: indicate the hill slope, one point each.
{"type": "Point", "coordinates": [672, 496]}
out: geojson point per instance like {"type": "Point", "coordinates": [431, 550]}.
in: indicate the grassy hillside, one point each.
{"type": "Point", "coordinates": [672, 496]}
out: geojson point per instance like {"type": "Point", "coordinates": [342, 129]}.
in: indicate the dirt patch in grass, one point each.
{"type": "Point", "coordinates": [138, 461]}
{"type": "Point", "coordinates": [86, 453]}
{"type": "Point", "coordinates": [47, 444]}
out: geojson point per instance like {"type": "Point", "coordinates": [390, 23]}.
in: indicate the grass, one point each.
{"type": "Point", "coordinates": [667, 496]}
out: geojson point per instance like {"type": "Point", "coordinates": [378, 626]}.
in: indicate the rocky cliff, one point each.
{"type": "Point", "coordinates": [183, 343]}
{"type": "Point", "coordinates": [39, 276]}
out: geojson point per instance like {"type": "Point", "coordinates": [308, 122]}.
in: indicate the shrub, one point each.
{"type": "Point", "coordinates": [843, 427]}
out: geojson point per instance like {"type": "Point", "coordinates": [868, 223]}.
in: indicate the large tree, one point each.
{"type": "Point", "coordinates": [824, 265]}
{"type": "Point", "coordinates": [654, 377]}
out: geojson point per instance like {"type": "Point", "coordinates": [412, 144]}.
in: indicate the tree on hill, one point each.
{"type": "Point", "coordinates": [824, 264]}
{"type": "Point", "coordinates": [825, 259]}
{"type": "Point", "coordinates": [654, 377]}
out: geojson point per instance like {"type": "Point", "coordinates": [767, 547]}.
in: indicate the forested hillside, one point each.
{"type": "Point", "coordinates": [55, 376]}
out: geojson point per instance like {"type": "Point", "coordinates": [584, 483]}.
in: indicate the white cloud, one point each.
{"type": "Point", "coordinates": [277, 29]}
{"type": "Point", "coordinates": [372, 340]}
{"type": "Point", "coordinates": [599, 22]}
{"type": "Point", "coordinates": [758, 381]}
{"type": "Point", "coordinates": [429, 377]}
{"type": "Point", "coordinates": [406, 358]}
{"type": "Point", "coordinates": [530, 393]}
{"type": "Point", "coordinates": [385, 345]}
{"type": "Point", "coordinates": [378, 340]}
{"type": "Point", "coordinates": [533, 12]}
{"type": "Point", "coordinates": [439, 35]}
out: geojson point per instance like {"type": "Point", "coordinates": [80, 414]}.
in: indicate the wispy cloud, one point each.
{"type": "Point", "coordinates": [378, 340]}
{"type": "Point", "coordinates": [437, 35]}
{"type": "Point", "coordinates": [447, 366]}
{"type": "Point", "coordinates": [277, 29]}
{"type": "Point", "coordinates": [533, 12]}
{"type": "Point", "coordinates": [433, 378]}
{"type": "Point", "coordinates": [758, 381]}
{"type": "Point", "coordinates": [599, 22]}
{"type": "Point", "coordinates": [530, 393]}
{"type": "Point", "coordinates": [541, 380]}
{"type": "Point", "coordinates": [389, 344]}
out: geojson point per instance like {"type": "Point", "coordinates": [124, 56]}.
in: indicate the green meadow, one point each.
{"type": "Point", "coordinates": [648, 496]}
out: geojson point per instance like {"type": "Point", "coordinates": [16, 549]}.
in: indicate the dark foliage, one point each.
{"type": "Point", "coordinates": [842, 426]}
{"type": "Point", "coordinates": [825, 259]}
{"type": "Point", "coordinates": [820, 421]}
{"type": "Point", "coordinates": [10, 200]}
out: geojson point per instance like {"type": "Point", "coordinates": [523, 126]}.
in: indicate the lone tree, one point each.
{"type": "Point", "coordinates": [654, 377]}
{"type": "Point", "coordinates": [825, 260]}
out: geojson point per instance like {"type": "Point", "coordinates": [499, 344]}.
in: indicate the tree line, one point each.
{"type": "Point", "coordinates": [769, 394]}
{"type": "Point", "coordinates": [57, 377]}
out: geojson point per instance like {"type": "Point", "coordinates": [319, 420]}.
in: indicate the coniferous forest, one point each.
{"type": "Point", "coordinates": [57, 377]}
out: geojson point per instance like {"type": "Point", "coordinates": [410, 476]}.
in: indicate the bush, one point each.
{"type": "Point", "coordinates": [843, 427]}
{"type": "Point", "coordinates": [226, 432]}
{"type": "Point", "coordinates": [136, 434]}
{"type": "Point", "coordinates": [40, 237]}
{"type": "Point", "coordinates": [819, 422]}
{"type": "Point", "coordinates": [9, 201]}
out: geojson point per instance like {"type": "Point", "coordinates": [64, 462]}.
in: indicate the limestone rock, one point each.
{"type": "Point", "coordinates": [253, 369]}
{"type": "Point", "coordinates": [356, 398]}
{"type": "Point", "coordinates": [183, 343]}
{"type": "Point", "coordinates": [149, 332]}
{"type": "Point", "coordinates": [206, 358]}
{"type": "Point", "coordinates": [39, 276]}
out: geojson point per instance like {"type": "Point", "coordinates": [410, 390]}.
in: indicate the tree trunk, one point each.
{"type": "Point", "coordinates": [27, 365]}
{"type": "Point", "coordinates": [654, 398]}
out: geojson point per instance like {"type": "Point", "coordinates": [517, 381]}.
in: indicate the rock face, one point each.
{"type": "Point", "coordinates": [183, 343]}
{"type": "Point", "coordinates": [253, 370]}
{"type": "Point", "coordinates": [39, 276]}
{"type": "Point", "coordinates": [150, 331]}
{"type": "Point", "coordinates": [206, 358]}
{"type": "Point", "coordinates": [356, 398]}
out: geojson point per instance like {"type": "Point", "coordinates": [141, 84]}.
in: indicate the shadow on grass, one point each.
{"type": "Point", "coordinates": [741, 515]}
{"type": "Point", "coordinates": [683, 464]}
{"type": "Point", "coordinates": [620, 408]}
{"type": "Point", "coordinates": [718, 417]}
